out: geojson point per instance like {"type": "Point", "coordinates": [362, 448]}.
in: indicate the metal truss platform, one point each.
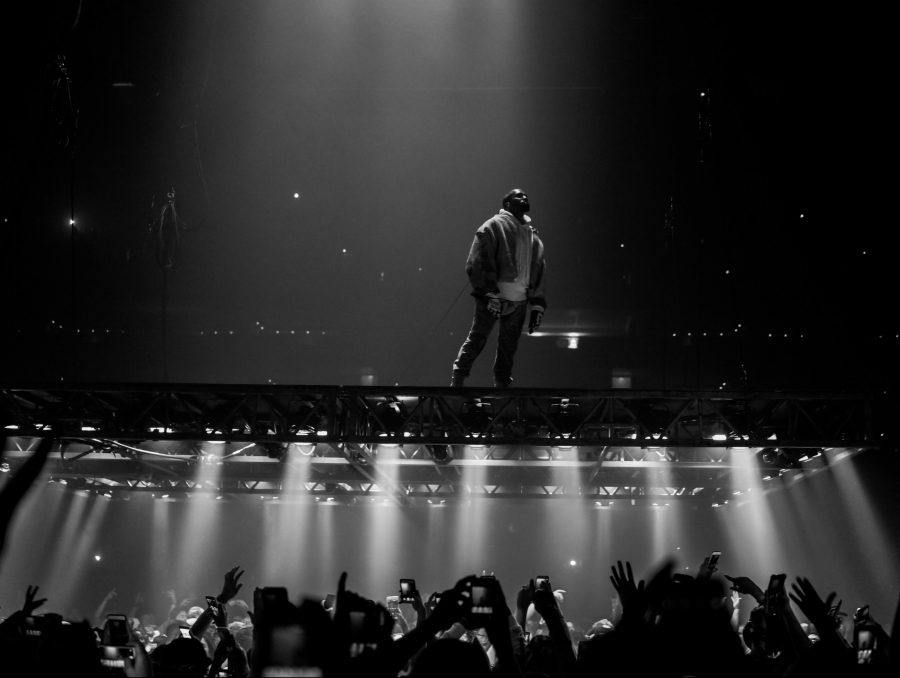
{"type": "Point", "coordinates": [412, 444]}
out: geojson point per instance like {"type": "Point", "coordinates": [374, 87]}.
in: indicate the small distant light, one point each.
{"type": "Point", "coordinates": [296, 196]}
{"type": "Point", "coordinates": [343, 250]}
{"type": "Point", "coordinates": [71, 222]}
{"type": "Point", "coordinates": [573, 563]}
{"type": "Point", "coordinates": [702, 94]}
{"type": "Point", "coordinates": [720, 436]}
{"type": "Point", "coordinates": [572, 342]}
{"type": "Point", "coordinates": [802, 215]}
{"type": "Point", "coordinates": [727, 271]}
{"type": "Point", "coordinates": [11, 427]}
{"type": "Point", "coordinates": [88, 428]}
{"type": "Point", "coordinates": [98, 557]}
{"type": "Point", "coordinates": [219, 496]}
{"type": "Point", "coordinates": [622, 245]}
{"type": "Point", "coordinates": [164, 496]}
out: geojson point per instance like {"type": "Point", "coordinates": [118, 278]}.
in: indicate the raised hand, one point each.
{"type": "Point", "coordinates": [30, 603]}
{"type": "Point", "coordinates": [451, 606]}
{"type": "Point", "coordinates": [524, 598]}
{"type": "Point", "coordinates": [809, 601]}
{"type": "Point", "coordinates": [230, 586]}
{"type": "Point", "coordinates": [746, 586]}
{"type": "Point", "coordinates": [419, 606]}
{"type": "Point", "coordinates": [545, 602]}
{"type": "Point", "coordinates": [623, 582]}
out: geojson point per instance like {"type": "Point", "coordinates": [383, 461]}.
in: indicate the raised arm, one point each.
{"type": "Point", "coordinates": [547, 606]}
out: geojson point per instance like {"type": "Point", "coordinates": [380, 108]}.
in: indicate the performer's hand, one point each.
{"type": "Point", "coordinates": [494, 306]}
{"type": "Point", "coordinates": [535, 321]}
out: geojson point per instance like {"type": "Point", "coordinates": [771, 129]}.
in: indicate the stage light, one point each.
{"type": "Point", "coordinates": [477, 416]}
{"type": "Point", "coordinates": [564, 415]}
{"type": "Point", "coordinates": [442, 454]}
{"type": "Point", "coordinates": [274, 450]}
{"type": "Point", "coordinates": [389, 417]}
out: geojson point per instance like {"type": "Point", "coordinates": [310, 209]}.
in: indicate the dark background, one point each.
{"type": "Point", "coordinates": [401, 124]}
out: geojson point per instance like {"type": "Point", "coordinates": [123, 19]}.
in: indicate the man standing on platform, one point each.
{"type": "Point", "coordinates": [506, 269]}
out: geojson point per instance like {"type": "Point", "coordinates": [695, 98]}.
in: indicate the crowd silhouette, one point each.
{"type": "Point", "coordinates": [672, 625]}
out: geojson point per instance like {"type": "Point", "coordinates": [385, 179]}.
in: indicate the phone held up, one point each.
{"type": "Point", "coordinates": [482, 599]}
{"type": "Point", "coordinates": [115, 630]}
{"type": "Point", "coordinates": [407, 590]}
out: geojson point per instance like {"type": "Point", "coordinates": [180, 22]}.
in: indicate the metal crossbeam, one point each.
{"type": "Point", "coordinates": [406, 445]}
{"type": "Point", "coordinates": [368, 415]}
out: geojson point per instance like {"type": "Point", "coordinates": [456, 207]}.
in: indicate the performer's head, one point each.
{"type": "Point", "coordinates": [516, 201]}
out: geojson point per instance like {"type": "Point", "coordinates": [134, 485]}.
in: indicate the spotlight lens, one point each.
{"type": "Point", "coordinates": [98, 557]}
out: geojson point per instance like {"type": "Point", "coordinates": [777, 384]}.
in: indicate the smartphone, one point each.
{"type": "Point", "coordinates": [33, 627]}
{"type": "Point", "coordinates": [114, 656]}
{"type": "Point", "coordinates": [364, 630]}
{"type": "Point", "coordinates": [185, 631]}
{"type": "Point", "coordinates": [713, 560]}
{"type": "Point", "coordinates": [864, 639]}
{"type": "Point", "coordinates": [274, 594]}
{"type": "Point", "coordinates": [542, 581]}
{"type": "Point", "coordinates": [328, 604]}
{"type": "Point", "coordinates": [775, 588]}
{"type": "Point", "coordinates": [116, 629]}
{"type": "Point", "coordinates": [407, 590]}
{"type": "Point", "coordinates": [393, 603]}
{"type": "Point", "coordinates": [268, 599]}
{"type": "Point", "coordinates": [483, 597]}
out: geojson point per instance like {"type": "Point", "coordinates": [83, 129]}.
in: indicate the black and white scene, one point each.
{"type": "Point", "coordinates": [432, 338]}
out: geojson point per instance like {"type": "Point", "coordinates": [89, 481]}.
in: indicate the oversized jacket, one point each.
{"type": "Point", "coordinates": [493, 258]}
